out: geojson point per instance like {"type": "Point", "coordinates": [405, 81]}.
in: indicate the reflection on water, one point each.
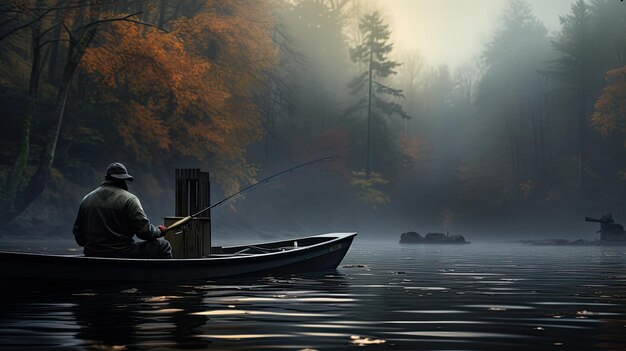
{"type": "Point", "coordinates": [394, 297]}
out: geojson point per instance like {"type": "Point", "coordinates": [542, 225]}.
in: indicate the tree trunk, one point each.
{"type": "Point", "coordinates": [269, 130]}
{"type": "Point", "coordinates": [368, 160]}
{"type": "Point", "coordinates": [53, 66]}
{"type": "Point", "coordinates": [38, 183]}
{"type": "Point", "coordinates": [582, 128]}
{"type": "Point", "coordinates": [14, 179]}
{"type": "Point", "coordinates": [75, 55]}
{"type": "Point", "coordinates": [162, 12]}
{"type": "Point", "coordinates": [16, 175]}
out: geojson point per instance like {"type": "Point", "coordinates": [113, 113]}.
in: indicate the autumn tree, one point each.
{"type": "Point", "coordinates": [607, 164]}
{"type": "Point", "coordinates": [188, 93]}
{"type": "Point", "coordinates": [609, 117]}
{"type": "Point", "coordinates": [15, 198]}
{"type": "Point", "coordinates": [184, 95]}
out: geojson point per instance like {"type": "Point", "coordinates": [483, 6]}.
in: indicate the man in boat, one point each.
{"type": "Point", "coordinates": [110, 216]}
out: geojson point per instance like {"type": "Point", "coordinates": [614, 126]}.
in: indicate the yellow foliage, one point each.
{"type": "Point", "coordinates": [526, 188]}
{"type": "Point", "coordinates": [365, 190]}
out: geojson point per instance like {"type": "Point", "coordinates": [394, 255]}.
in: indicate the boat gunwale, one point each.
{"type": "Point", "coordinates": [332, 236]}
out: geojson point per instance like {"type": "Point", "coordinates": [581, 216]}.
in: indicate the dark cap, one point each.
{"type": "Point", "coordinates": [118, 171]}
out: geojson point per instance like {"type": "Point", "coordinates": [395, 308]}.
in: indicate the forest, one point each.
{"type": "Point", "coordinates": [524, 140]}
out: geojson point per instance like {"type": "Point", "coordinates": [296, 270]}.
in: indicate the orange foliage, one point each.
{"type": "Point", "coordinates": [610, 115]}
{"type": "Point", "coordinates": [188, 92]}
{"type": "Point", "coordinates": [144, 126]}
{"type": "Point", "coordinates": [413, 148]}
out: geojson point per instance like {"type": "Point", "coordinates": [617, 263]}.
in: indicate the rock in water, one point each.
{"type": "Point", "coordinates": [410, 238]}
{"type": "Point", "coordinates": [456, 239]}
{"type": "Point", "coordinates": [436, 238]}
{"type": "Point", "coordinates": [431, 238]}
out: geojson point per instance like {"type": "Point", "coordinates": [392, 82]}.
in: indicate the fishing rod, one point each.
{"type": "Point", "coordinates": [276, 177]}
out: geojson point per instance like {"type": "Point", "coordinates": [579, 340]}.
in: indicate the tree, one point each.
{"type": "Point", "coordinates": [512, 91]}
{"type": "Point", "coordinates": [411, 73]}
{"type": "Point", "coordinates": [38, 42]}
{"type": "Point", "coordinates": [574, 69]}
{"type": "Point", "coordinates": [15, 202]}
{"type": "Point", "coordinates": [609, 117]}
{"type": "Point", "coordinates": [373, 54]}
{"type": "Point", "coordinates": [311, 75]}
{"type": "Point", "coordinates": [19, 16]}
{"type": "Point", "coordinates": [466, 78]}
{"type": "Point", "coordinates": [30, 14]}
{"type": "Point", "coordinates": [609, 35]}
{"type": "Point", "coordinates": [189, 93]}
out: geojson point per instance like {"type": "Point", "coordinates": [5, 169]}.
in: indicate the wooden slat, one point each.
{"type": "Point", "coordinates": [205, 201]}
{"type": "Point", "coordinates": [192, 194]}
{"type": "Point", "coordinates": [177, 241]}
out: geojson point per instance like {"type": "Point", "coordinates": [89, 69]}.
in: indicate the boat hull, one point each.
{"type": "Point", "coordinates": [316, 253]}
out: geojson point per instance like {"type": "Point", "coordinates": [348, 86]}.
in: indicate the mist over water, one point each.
{"type": "Point", "coordinates": [497, 139]}
{"type": "Point", "coordinates": [383, 296]}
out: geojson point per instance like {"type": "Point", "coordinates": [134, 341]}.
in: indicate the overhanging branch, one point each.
{"type": "Point", "coordinates": [126, 18]}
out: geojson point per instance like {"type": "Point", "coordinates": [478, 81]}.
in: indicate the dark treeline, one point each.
{"type": "Point", "coordinates": [525, 139]}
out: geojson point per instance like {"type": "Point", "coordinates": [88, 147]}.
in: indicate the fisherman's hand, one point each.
{"type": "Point", "coordinates": [163, 229]}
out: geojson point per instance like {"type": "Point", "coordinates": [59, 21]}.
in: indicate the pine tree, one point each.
{"type": "Point", "coordinates": [574, 69]}
{"type": "Point", "coordinates": [373, 54]}
{"type": "Point", "coordinates": [512, 90]}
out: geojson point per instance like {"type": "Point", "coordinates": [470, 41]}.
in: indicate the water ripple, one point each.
{"type": "Point", "coordinates": [393, 297]}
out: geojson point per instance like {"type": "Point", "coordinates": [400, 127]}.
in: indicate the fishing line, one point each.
{"type": "Point", "coordinates": [258, 185]}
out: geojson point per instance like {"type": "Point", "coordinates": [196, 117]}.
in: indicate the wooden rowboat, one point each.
{"type": "Point", "coordinates": [308, 254]}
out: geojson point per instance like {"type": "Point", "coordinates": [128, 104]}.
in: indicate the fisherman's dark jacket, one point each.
{"type": "Point", "coordinates": [107, 220]}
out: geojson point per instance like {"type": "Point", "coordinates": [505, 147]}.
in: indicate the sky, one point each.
{"type": "Point", "coordinates": [453, 32]}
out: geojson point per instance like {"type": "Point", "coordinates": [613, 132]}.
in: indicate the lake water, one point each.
{"type": "Point", "coordinates": [382, 297]}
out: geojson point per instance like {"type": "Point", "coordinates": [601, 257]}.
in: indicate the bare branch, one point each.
{"type": "Point", "coordinates": [126, 18]}
{"type": "Point", "coordinates": [47, 11]}
{"type": "Point", "coordinates": [26, 25]}
{"type": "Point", "coordinates": [113, 19]}
{"type": "Point", "coordinates": [79, 4]}
{"type": "Point", "coordinates": [52, 41]}
{"type": "Point", "coordinates": [7, 21]}
{"type": "Point", "coordinates": [147, 24]}
{"type": "Point", "coordinates": [68, 31]}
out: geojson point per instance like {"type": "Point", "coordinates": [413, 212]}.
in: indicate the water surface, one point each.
{"type": "Point", "coordinates": [382, 297]}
